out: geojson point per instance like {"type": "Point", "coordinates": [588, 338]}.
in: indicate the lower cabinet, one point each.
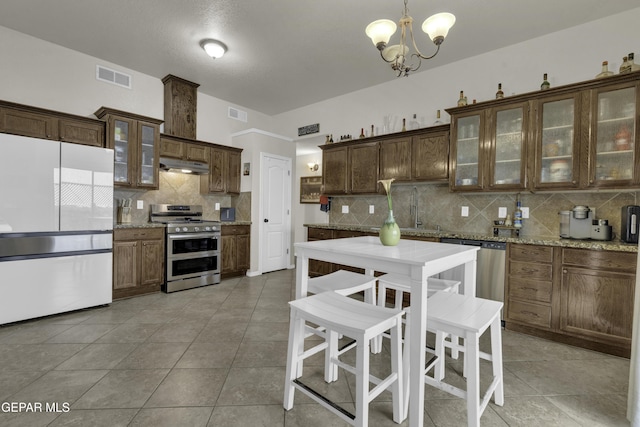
{"type": "Point", "coordinates": [138, 261]}
{"type": "Point", "coordinates": [580, 297]}
{"type": "Point", "coordinates": [236, 247]}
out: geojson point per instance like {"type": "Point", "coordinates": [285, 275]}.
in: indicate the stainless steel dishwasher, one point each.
{"type": "Point", "coordinates": [490, 268]}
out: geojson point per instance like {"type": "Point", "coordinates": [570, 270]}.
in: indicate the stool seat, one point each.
{"type": "Point", "coordinates": [339, 314]}
{"type": "Point", "coordinates": [461, 312]}
{"type": "Point", "coordinates": [342, 281]}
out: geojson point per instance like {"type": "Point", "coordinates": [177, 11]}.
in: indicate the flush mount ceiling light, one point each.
{"type": "Point", "coordinates": [436, 26]}
{"type": "Point", "coordinates": [214, 48]}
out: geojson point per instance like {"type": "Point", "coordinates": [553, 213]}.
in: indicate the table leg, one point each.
{"type": "Point", "coordinates": [417, 342]}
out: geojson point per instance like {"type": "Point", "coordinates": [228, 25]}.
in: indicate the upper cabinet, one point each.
{"type": "Point", "coordinates": [488, 148]}
{"type": "Point", "coordinates": [355, 167]}
{"type": "Point", "coordinates": [614, 131]}
{"type": "Point", "coordinates": [224, 171]}
{"type": "Point", "coordinates": [579, 136]}
{"type": "Point", "coordinates": [136, 142]}
{"type": "Point", "coordinates": [177, 148]}
{"type": "Point", "coordinates": [40, 123]}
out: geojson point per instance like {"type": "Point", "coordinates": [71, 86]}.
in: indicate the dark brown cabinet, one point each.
{"type": "Point", "coordinates": [577, 296]}
{"type": "Point", "coordinates": [236, 247]}
{"type": "Point", "coordinates": [350, 168]}
{"type": "Point", "coordinates": [136, 142]}
{"type": "Point", "coordinates": [430, 155]}
{"type": "Point", "coordinates": [489, 147]}
{"type": "Point", "coordinates": [138, 261]}
{"type": "Point", "coordinates": [40, 123]}
{"type": "Point", "coordinates": [178, 149]}
{"type": "Point", "coordinates": [579, 136]}
{"type": "Point", "coordinates": [224, 171]}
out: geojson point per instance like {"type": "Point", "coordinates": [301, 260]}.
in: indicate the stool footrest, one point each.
{"type": "Point", "coordinates": [329, 404]}
{"type": "Point", "coordinates": [347, 346]}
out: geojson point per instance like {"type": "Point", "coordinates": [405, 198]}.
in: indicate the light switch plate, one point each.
{"type": "Point", "coordinates": [502, 212]}
{"type": "Point", "coordinates": [465, 211]}
{"type": "Point", "coordinates": [345, 208]}
{"type": "Point", "coordinates": [140, 204]}
{"type": "Point", "coordinates": [372, 209]}
{"type": "Point", "coordinates": [217, 206]}
{"type": "Point", "coordinates": [525, 212]}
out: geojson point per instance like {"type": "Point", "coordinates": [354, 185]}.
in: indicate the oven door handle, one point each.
{"type": "Point", "coordinates": [194, 235]}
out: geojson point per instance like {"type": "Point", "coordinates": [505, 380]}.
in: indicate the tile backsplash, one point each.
{"type": "Point", "coordinates": [177, 188]}
{"type": "Point", "coordinates": [439, 207]}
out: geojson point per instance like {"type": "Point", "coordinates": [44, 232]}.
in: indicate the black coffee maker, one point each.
{"type": "Point", "coordinates": [629, 223]}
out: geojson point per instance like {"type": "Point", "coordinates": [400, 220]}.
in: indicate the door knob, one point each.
{"type": "Point", "coordinates": [266, 220]}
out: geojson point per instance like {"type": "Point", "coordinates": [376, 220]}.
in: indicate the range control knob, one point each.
{"type": "Point", "coordinates": [177, 229]}
{"type": "Point", "coordinates": [207, 228]}
{"type": "Point", "coordinates": [185, 229]}
{"type": "Point", "coordinates": [196, 228]}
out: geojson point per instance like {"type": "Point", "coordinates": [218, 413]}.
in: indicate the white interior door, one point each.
{"type": "Point", "coordinates": [276, 212]}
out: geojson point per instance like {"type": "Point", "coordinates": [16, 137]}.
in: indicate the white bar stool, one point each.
{"type": "Point", "coordinates": [467, 317]}
{"type": "Point", "coordinates": [344, 283]}
{"type": "Point", "coordinates": [339, 314]}
{"type": "Point", "coordinates": [401, 284]}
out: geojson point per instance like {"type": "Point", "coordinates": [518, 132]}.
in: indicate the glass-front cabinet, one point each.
{"type": "Point", "coordinates": [557, 147]}
{"type": "Point", "coordinates": [613, 148]}
{"type": "Point", "coordinates": [466, 152]}
{"type": "Point", "coordinates": [135, 141]}
{"type": "Point", "coordinates": [507, 166]}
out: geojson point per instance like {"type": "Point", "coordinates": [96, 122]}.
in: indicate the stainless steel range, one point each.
{"type": "Point", "coordinates": [193, 247]}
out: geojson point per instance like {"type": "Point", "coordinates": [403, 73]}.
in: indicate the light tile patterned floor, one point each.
{"type": "Point", "coordinates": [216, 356]}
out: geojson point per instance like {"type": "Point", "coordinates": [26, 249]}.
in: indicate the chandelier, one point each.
{"type": "Point", "coordinates": [436, 26]}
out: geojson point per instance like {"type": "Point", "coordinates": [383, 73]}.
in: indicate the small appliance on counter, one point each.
{"type": "Point", "coordinates": [578, 223]}
{"type": "Point", "coordinates": [227, 214]}
{"type": "Point", "coordinates": [629, 224]}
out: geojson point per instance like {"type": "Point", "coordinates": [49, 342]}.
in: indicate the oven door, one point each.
{"type": "Point", "coordinates": [193, 265]}
{"type": "Point", "coordinates": [192, 243]}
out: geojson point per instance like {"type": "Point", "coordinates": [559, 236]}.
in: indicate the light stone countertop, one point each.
{"type": "Point", "coordinates": [613, 245]}
{"type": "Point", "coordinates": [138, 225]}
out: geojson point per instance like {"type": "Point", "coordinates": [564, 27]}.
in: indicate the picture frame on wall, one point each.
{"type": "Point", "coordinates": [310, 189]}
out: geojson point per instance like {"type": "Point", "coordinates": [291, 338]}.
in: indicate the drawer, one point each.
{"type": "Point", "coordinates": [319, 234]}
{"type": "Point", "coordinates": [231, 230]}
{"type": "Point", "coordinates": [531, 253]}
{"type": "Point", "coordinates": [531, 270]}
{"type": "Point", "coordinates": [530, 290]}
{"type": "Point", "coordinates": [531, 314]}
{"type": "Point", "coordinates": [138, 233]}
{"type": "Point", "coordinates": [619, 261]}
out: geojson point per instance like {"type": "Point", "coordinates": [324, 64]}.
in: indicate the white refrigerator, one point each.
{"type": "Point", "coordinates": [56, 227]}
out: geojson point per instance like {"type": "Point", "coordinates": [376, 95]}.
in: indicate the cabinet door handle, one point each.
{"type": "Point", "coordinates": [565, 271]}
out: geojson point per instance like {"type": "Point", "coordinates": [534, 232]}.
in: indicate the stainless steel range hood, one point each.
{"type": "Point", "coordinates": [183, 166]}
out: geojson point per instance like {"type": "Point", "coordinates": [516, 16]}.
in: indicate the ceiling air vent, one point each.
{"type": "Point", "coordinates": [236, 114]}
{"type": "Point", "coordinates": [108, 75]}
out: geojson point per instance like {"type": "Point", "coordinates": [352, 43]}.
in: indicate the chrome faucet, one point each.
{"type": "Point", "coordinates": [414, 207]}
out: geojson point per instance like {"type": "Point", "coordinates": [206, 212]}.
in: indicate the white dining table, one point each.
{"type": "Point", "coordinates": [416, 259]}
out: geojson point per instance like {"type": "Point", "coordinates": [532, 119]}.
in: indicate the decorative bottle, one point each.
{"type": "Point", "coordinates": [463, 99]}
{"type": "Point", "coordinates": [331, 140]}
{"type": "Point", "coordinates": [517, 214]}
{"type": "Point", "coordinates": [545, 83]}
{"type": "Point", "coordinates": [632, 65]}
{"type": "Point", "coordinates": [414, 124]}
{"type": "Point", "coordinates": [437, 122]}
{"type": "Point", "coordinates": [404, 125]}
{"type": "Point", "coordinates": [499, 93]}
{"type": "Point", "coordinates": [371, 130]}
{"type": "Point", "coordinates": [624, 67]}
{"type": "Point", "coordinates": [361, 132]}
{"type": "Point", "coordinates": [605, 70]}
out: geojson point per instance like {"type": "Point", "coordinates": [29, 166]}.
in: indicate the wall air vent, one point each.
{"type": "Point", "coordinates": [108, 75]}
{"type": "Point", "coordinates": [236, 114]}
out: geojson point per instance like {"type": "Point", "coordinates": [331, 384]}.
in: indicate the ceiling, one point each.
{"type": "Point", "coordinates": [282, 54]}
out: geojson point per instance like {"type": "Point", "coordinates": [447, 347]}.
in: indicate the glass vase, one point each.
{"type": "Point", "coordinates": [390, 232]}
